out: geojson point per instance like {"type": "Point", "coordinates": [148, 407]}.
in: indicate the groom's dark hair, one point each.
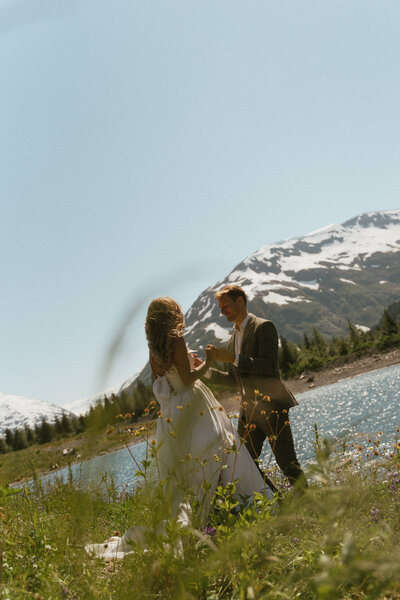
{"type": "Point", "coordinates": [233, 291]}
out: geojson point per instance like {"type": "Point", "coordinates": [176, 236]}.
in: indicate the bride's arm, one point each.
{"type": "Point", "coordinates": [181, 362]}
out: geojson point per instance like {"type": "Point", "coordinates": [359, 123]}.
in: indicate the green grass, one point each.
{"type": "Point", "coordinates": [339, 540]}
{"type": "Point", "coordinates": [19, 465]}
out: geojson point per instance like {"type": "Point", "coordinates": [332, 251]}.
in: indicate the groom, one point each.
{"type": "Point", "coordinates": [252, 357]}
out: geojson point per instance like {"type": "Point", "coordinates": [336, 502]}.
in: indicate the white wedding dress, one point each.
{"type": "Point", "coordinates": [197, 449]}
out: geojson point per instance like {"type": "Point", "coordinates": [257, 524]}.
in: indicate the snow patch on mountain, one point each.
{"type": "Point", "coordinates": [345, 247]}
{"type": "Point", "coordinates": [18, 411]}
{"type": "Point", "coordinates": [322, 279]}
{"type": "Point", "coordinates": [274, 298]}
{"type": "Point", "coordinates": [220, 332]}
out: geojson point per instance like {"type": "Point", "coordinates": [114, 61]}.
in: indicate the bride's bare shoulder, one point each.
{"type": "Point", "coordinates": [179, 351]}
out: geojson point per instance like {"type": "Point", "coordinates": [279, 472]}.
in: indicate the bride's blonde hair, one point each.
{"type": "Point", "coordinates": [164, 323]}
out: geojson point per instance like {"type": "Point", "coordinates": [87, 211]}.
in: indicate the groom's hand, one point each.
{"type": "Point", "coordinates": [211, 352]}
{"type": "Point", "coordinates": [224, 355]}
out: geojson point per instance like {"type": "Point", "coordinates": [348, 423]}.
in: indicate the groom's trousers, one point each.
{"type": "Point", "coordinates": [257, 422]}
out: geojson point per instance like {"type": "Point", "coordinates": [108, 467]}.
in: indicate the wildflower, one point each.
{"type": "Point", "coordinates": [179, 407]}
{"type": "Point", "coordinates": [257, 393]}
{"type": "Point", "coordinates": [201, 413]}
{"type": "Point", "coordinates": [135, 432]}
{"type": "Point", "coordinates": [153, 442]}
{"type": "Point", "coordinates": [252, 427]}
{"type": "Point", "coordinates": [142, 429]}
{"type": "Point", "coordinates": [263, 412]}
{"type": "Point", "coordinates": [169, 420]}
{"type": "Point", "coordinates": [127, 416]}
{"type": "Point", "coordinates": [220, 408]}
{"type": "Point", "coordinates": [146, 410]}
{"type": "Point", "coordinates": [210, 531]}
{"type": "Point", "coordinates": [375, 514]}
{"type": "Point", "coordinates": [173, 434]}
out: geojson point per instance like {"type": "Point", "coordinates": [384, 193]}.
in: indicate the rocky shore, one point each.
{"type": "Point", "coordinates": [343, 370]}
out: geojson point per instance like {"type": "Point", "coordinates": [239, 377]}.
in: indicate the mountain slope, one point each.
{"type": "Point", "coordinates": [82, 405]}
{"type": "Point", "coordinates": [349, 271]}
{"type": "Point", "coordinates": [17, 411]}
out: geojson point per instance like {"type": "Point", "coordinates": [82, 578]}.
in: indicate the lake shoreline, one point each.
{"type": "Point", "coordinates": [309, 380]}
{"type": "Point", "coordinates": [341, 368]}
{"type": "Point", "coordinates": [371, 361]}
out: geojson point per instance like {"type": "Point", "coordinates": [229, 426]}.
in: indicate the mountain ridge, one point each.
{"type": "Point", "coordinates": [18, 411]}
{"type": "Point", "coordinates": [339, 272]}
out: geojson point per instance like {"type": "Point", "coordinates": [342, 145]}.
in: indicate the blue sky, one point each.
{"type": "Point", "coordinates": [148, 147]}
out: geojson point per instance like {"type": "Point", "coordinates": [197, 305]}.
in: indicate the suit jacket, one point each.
{"type": "Point", "coordinates": [258, 367]}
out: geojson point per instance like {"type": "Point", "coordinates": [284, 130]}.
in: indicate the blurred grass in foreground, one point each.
{"type": "Point", "coordinates": [338, 540]}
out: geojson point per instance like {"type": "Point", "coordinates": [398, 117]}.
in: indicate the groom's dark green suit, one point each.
{"type": "Point", "coordinates": [263, 413]}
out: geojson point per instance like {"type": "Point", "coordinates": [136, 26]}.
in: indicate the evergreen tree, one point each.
{"type": "Point", "coordinates": [318, 342]}
{"type": "Point", "coordinates": [45, 432]}
{"type": "Point", "coordinates": [333, 345]}
{"type": "Point", "coordinates": [9, 437]}
{"type": "Point", "coordinates": [306, 341]}
{"type": "Point", "coordinates": [354, 334]}
{"type": "Point", "coordinates": [82, 423]}
{"type": "Point", "coordinates": [74, 420]}
{"type": "Point", "coordinates": [389, 325]}
{"type": "Point", "coordinates": [30, 435]}
{"type": "Point", "coordinates": [288, 354]}
{"type": "Point", "coordinates": [343, 347]}
{"type": "Point", "coordinates": [65, 424]}
{"type": "Point", "coordinates": [394, 311]}
{"type": "Point", "coordinates": [19, 441]}
{"type": "Point", "coordinates": [142, 397]}
{"type": "Point", "coordinates": [3, 446]}
{"type": "Point", "coordinates": [58, 429]}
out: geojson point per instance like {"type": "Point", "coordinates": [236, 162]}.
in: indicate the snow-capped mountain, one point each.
{"type": "Point", "coordinates": [349, 271]}
{"type": "Point", "coordinates": [322, 279]}
{"type": "Point", "coordinates": [18, 411]}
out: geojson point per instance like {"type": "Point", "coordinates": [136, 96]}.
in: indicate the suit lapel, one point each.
{"type": "Point", "coordinates": [248, 330]}
{"type": "Point", "coordinates": [231, 343]}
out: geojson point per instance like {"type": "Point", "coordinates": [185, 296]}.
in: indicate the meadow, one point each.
{"type": "Point", "coordinates": [337, 540]}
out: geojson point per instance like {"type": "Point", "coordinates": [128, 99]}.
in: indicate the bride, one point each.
{"type": "Point", "coordinates": [197, 445]}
